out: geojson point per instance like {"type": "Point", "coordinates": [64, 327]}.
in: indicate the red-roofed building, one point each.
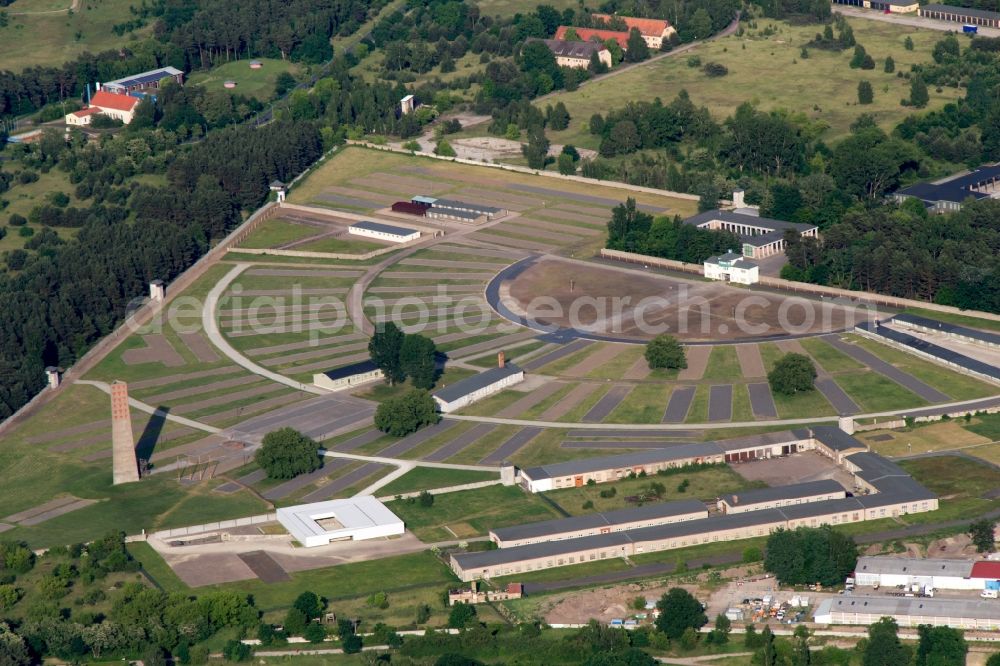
{"type": "Point", "coordinates": [653, 31]}
{"type": "Point", "coordinates": [81, 117]}
{"type": "Point", "coordinates": [121, 107]}
{"type": "Point", "coordinates": [987, 569]}
{"type": "Point", "coordinates": [592, 35]}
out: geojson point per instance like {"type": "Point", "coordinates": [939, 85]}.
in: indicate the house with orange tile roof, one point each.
{"type": "Point", "coordinates": [593, 35]}
{"type": "Point", "coordinates": [653, 31]}
{"type": "Point", "coordinates": [113, 105]}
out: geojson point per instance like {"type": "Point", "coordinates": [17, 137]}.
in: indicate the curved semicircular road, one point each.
{"type": "Point", "coordinates": [566, 334]}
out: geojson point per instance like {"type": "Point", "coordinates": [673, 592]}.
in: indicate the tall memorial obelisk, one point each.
{"type": "Point", "coordinates": [126, 469]}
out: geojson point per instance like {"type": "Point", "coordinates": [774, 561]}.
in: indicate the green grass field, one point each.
{"type": "Point", "coordinates": [52, 39]}
{"type": "Point", "coordinates": [769, 71]}
{"type": "Point", "coordinates": [257, 83]}
{"type": "Point", "coordinates": [275, 232]}
{"type": "Point", "coordinates": [962, 482]}
{"type": "Point", "coordinates": [471, 513]}
{"type": "Point", "coordinates": [954, 384]}
{"type": "Point", "coordinates": [829, 357]}
{"type": "Point", "coordinates": [702, 484]}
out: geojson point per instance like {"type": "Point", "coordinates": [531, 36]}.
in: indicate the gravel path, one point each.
{"type": "Point", "coordinates": [357, 442]}
{"type": "Point", "coordinates": [456, 445]}
{"type": "Point", "coordinates": [157, 350]}
{"type": "Point", "coordinates": [751, 364]}
{"type": "Point", "coordinates": [678, 405]}
{"type": "Point", "coordinates": [639, 370]}
{"type": "Point", "coordinates": [604, 354]}
{"type": "Point", "coordinates": [720, 402]}
{"type": "Point", "coordinates": [836, 396]}
{"type": "Point", "coordinates": [607, 404]}
{"type": "Point", "coordinates": [761, 400]}
{"type": "Point", "coordinates": [172, 396]}
{"type": "Point", "coordinates": [556, 354]}
{"type": "Point", "coordinates": [530, 400]}
{"type": "Point", "coordinates": [697, 361]}
{"type": "Point", "coordinates": [200, 347]}
{"type": "Point", "coordinates": [337, 486]}
{"type": "Point", "coordinates": [329, 468]}
{"type": "Point", "coordinates": [396, 449]}
{"type": "Point", "coordinates": [511, 446]}
{"type": "Point", "coordinates": [569, 401]}
{"type": "Point", "coordinates": [904, 379]}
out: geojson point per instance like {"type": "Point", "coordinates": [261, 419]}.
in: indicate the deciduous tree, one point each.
{"type": "Point", "coordinates": [287, 453]}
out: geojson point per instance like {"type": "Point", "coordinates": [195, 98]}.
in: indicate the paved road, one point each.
{"type": "Point", "coordinates": [761, 400]}
{"type": "Point", "coordinates": [678, 405]}
{"type": "Point", "coordinates": [211, 329]}
{"type": "Point", "coordinates": [910, 20]}
{"type": "Point", "coordinates": [512, 445]}
{"type": "Point", "coordinates": [905, 379]}
{"type": "Point", "coordinates": [720, 402]}
{"type": "Point", "coordinates": [607, 404]}
{"type": "Point", "coordinates": [837, 397]}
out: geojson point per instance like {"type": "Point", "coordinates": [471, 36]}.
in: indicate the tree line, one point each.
{"type": "Point", "coordinates": [66, 297]}
{"type": "Point", "coordinates": [193, 35]}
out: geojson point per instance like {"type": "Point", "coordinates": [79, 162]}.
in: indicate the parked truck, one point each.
{"type": "Point", "coordinates": [970, 29]}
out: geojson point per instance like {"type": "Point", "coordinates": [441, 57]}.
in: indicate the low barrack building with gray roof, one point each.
{"type": "Point", "coordinates": [576, 54]}
{"type": "Point", "coordinates": [920, 347]}
{"type": "Point", "coordinates": [966, 15]}
{"type": "Point", "coordinates": [963, 333]}
{"type": "Point", "coordinates": [592, 524]}
{"type": "Point", "coordinates": [384, 232]}
{"type": "Point", "coordinates": [348, 376]}
{"type": "Point", "coordinates": [467, 391]}
{"type": "Point", "coordinates": [890, 493]}
{"type": "Point", "coordinates": [461, 211]}
{"type": "Point", "coordinates": [605, 469]}
{"type": "Point", "coordinates": [779, 496]}
{"type": "Point", "coordinates": [910, 612]}
{"type": "Point", "coordinates": [761, 236]}
{"type": "Point", "coordinates": [575, 473]}
{"type": "Point", "coordinates": [948, 195]}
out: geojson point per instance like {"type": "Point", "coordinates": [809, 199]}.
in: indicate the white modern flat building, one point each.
{"type": "Point", "coordinates": [353, 519]}
{"type": "Point", "coordinates": [384, 232]}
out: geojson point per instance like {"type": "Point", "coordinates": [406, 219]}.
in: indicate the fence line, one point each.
{"type": "Point", "coordinates": [218, 525]}
{"type": "Point", "coordinates": [143, 315]}
{"type": "Point", "coordinates": [535, 172]}
{"type": "Point", "coordinates": [803, 287]}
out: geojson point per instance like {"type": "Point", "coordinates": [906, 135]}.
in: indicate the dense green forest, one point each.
{"type": "Point", "coordinates": [189, 35]}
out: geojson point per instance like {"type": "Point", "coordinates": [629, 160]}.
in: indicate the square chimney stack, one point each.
{"type": "Point", "coordinates": [501, 360]}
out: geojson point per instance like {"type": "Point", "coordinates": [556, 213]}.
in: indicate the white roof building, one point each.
{"type": "Point", "coordinates": [733, 268]}
{"type": "Point", "coordinates": [356, 519]}
{"type": "Point", "coordinates": [910, 612]}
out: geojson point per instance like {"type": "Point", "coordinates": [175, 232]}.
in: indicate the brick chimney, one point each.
{"type": "Point", "coordinates": [501, 360]}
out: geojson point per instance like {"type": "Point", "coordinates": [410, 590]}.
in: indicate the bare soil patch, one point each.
{"type": "Point", "coordinates": [625, 303]}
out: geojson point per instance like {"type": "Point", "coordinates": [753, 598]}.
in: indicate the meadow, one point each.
{"type": "Point", "coordinates": [766, 68]}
